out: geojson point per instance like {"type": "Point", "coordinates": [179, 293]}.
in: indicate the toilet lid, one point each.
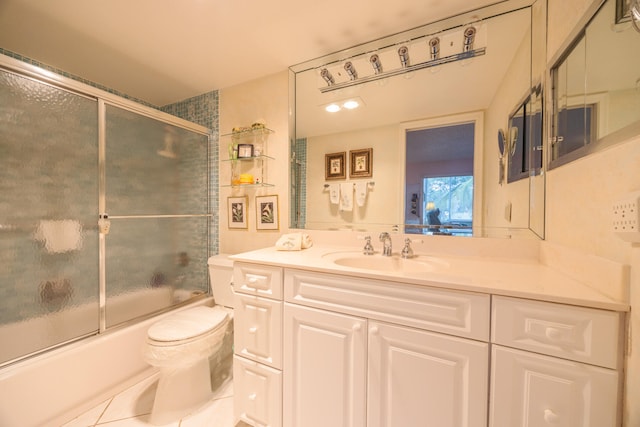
{"type": "Point", "coordinates": [187, 324]}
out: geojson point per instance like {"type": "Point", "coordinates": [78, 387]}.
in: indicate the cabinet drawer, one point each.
{"type": "Point", "coordinates": [575, 333]}
{"type": "Point", "coordinates": [530, 389]}
{"type": "Point", "coordinates": [464, 314]}
{"type": "Point", "coordinates": [258, 329]}
{"type": "Point", "coordinates": [261, 280]}
{"type": "Point", "coordinates": [257, 396]}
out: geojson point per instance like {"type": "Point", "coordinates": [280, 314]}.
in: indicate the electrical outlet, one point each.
{"type": "Point", "coordinates": [626, 217]}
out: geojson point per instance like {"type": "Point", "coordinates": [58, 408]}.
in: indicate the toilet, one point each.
{"type": "Point", "coordinates": [182, 344]}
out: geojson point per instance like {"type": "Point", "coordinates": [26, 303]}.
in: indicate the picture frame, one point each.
{"type": "Point", "coordinates": [237, 212]}
{"type": "Point", "coordinates": [267, 212]}
{"type": "Point", "coordinates": [361, 164]}
{"type": "Point", "coordinates": [245, 151]}
{"type": "Point", "coordinates": [335, 165]}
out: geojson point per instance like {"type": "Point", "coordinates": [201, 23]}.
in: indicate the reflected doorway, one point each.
{"type": "Point", "coordinates": [439, 179]}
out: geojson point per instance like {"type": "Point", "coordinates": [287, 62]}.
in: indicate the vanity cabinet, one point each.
{"type": "Point", "coordinates": [257, 367]}
{"type": "Point", "coordinates": [554, 365]}
{"type": "Point", "coordinates": [325, 365]}
{"type": "Point", "coordinates": [361, 352]}
{"type": "Point", "coordinates": [319, 349]}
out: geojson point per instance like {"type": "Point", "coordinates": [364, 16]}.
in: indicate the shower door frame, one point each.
{"type": "Point", "coordinates": [103, 99]}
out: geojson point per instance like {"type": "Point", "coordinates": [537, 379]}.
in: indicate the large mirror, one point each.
{"type": "Point", "coordinates": [430, 104]}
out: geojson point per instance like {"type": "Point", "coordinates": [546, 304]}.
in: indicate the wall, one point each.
{"type": "Point", "coordinates": [386, 173]}
{"type": "Point", "coordinates": [262, 99]}
{"type": "Point", "coordinates": [579, 198]}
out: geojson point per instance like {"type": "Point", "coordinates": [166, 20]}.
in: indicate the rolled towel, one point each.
{"type": "Point", "coordinates": [294, 242]}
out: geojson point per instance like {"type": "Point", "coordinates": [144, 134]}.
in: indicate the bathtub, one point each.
{"type": "Point", "coordinates": [53, 388]}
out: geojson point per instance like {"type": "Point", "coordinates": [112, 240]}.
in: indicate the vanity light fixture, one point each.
{"type": "Point", "coordinates": [434, 48]}
{"type": "Point", "coordinates": [634, 9]}
{"type": "Point", "coordinates": [469, 37]}
{"type": "Point", "coordinates": [434, 59]}
{"type": "Point", "coordinates": [326, 75]}
{"type": "Point", "coordinates": [375, 63]}
{"type": "Point", "coordinates": [403, 54]}
{"type": "Point", "coordinates": [351, 70]}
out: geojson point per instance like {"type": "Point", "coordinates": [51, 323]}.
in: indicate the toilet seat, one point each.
{"type": "Point", "coordinates": [186, 326]}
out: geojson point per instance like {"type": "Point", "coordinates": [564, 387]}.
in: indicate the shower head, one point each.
{"type": "Point", "coordinates": [167, 151]}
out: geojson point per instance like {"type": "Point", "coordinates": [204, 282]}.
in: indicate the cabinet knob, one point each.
{"type": "Point", "coordinates": [373, 330]}
{"type": "Point", "coordinates": [252, 396]}
{"type": "Point", "coordinates": [356, 327]}
{"type": "Point", "coordinates": [553, 333]}
{"type": "Point", "coordinates": [550, 417]}
{"type": "Point", "coordinates": [253, 329]}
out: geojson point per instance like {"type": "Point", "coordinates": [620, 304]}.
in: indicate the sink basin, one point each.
{"type": "Point", "coordinates": [392, 264]}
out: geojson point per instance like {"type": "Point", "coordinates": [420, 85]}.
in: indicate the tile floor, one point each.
{"type": "Point", "coordinates": [132, 407]}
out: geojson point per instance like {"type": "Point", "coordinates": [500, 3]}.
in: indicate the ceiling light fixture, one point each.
{"type": "Point", "coordinates": [326, 75]}
{"type": "Point", "coordinates": [351, 104]}
{"type": "Point", "coordinates": [375, 63]}
{"type": "Point", "coordinates": [351, 70]}
{"type": "Point", "coordinates": [403, 54]}
{"type": "Point", "coordinates": [469, 37]}
{"type": "Point", "coordinates": [434, 48]}
{"type": "Point", "coordinates": [332, 108]}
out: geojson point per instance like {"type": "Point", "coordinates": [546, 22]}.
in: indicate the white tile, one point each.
{"type": "Point", "coordinates": [219, 413]}
{"type": "Point", "coordinates": [89, 418]}
{"type": "Point", "coordinates": [136, 401]}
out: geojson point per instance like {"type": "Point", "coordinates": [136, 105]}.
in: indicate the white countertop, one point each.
{"type": "Point", "coordinates": [522, 278]}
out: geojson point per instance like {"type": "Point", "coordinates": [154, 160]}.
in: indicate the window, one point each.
{"type": "Point", "coordinates": [449, 204]}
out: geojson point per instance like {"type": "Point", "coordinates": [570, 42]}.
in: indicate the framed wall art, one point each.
{"type": "Point", "coordinates": [335, 165]}
{"type": "Point", "coordinates": [267, 212]}
{"type": "Point", "coordinates": [361, 163]}
{"type": "Point", "coordinates": [237, 212]}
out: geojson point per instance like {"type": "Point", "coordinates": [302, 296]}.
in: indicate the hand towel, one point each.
{"type": "Point", "coordinates": [361, 192]}
{"type": "Point", "coordinates": [294, 242]}
{"type": "Point", "coordinates": [334, 193]}
{"type": "Point", "coordinates": [346, 196]}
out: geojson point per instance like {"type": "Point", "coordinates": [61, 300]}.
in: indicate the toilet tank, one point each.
{"type": "Point", "coordinates": [220, 276]}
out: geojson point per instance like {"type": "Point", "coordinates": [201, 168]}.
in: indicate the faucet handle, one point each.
{"type": "Point", "coordinates": [368, 247]}
{"type": "Point", "coordinates": [407, 251]}
{"type": "Point", "coordinates": [384, 235]}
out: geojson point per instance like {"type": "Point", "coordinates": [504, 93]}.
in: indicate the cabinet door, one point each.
{"type": "Point", "coordinates": [257, 396]}
{"type": "Point", "coordinates": [258, 329]}
{"type": "Point", "coordinates": [324, 368]}
{"type": "Point", "coordinates": [420, 378]}
{"type": "Point", "coordinates": [533, 390]}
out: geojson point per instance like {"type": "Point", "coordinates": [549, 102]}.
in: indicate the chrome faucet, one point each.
{"type": "Point", "coordinates": [385, 238]}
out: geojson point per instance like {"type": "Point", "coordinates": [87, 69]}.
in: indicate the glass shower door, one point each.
{"type": "Point", "coordinates": [48, 212]}
{"type": "Point", "coordinates": [156, 196]}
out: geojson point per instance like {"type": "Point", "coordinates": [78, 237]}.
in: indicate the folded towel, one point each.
{"type": "Point", "coordinates": [334, 193]}
{"type": "Point", "coordinates": [346, 196]}
{"type": "Point", "coordinates": [361, 193]}
{"type": "Point", "coordinates": [294, 242]}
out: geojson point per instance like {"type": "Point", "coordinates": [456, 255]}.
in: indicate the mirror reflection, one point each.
{"type": "Point", "coordinates": [426, 102]}
{"type": "Point", "coordinates": [596, 86]}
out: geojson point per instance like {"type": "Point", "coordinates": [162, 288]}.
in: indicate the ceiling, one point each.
{"type": "Point", "coordinates": [164, 51]}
